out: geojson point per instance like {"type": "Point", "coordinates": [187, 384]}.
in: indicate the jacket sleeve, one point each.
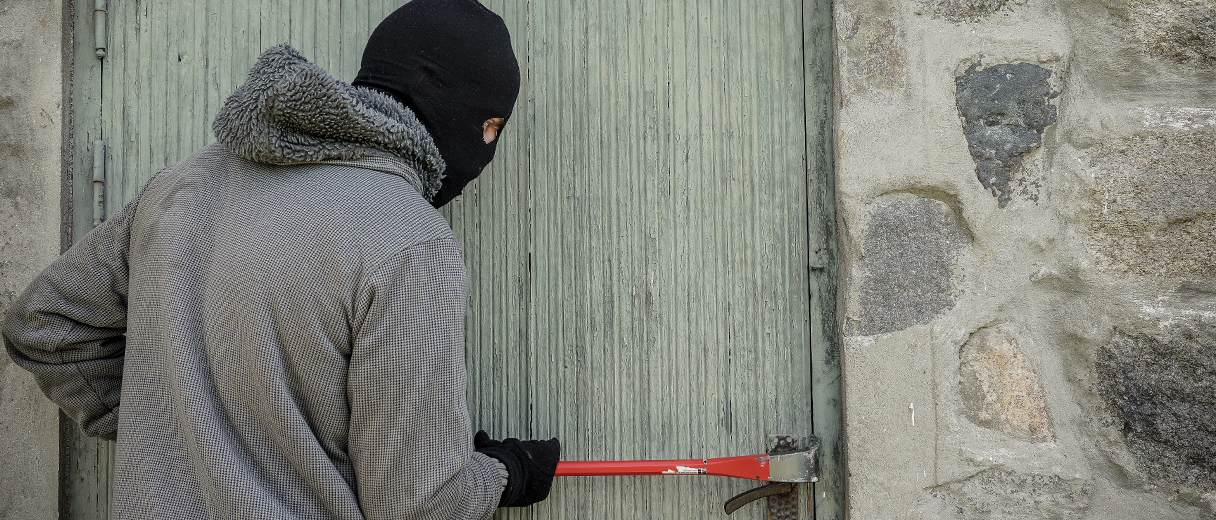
{"type": "Point", "coordinates": [410, 436]}
{"type": "Point", "coordinates": [67, 327]}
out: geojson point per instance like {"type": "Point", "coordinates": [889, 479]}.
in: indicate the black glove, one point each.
{"type": "Point", "coordinates": [530, 467]}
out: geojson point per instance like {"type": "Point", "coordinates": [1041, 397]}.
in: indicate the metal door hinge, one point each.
{"type": "Point", "coordinates": [99, 27]}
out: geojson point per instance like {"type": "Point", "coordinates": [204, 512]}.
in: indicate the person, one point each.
{"type": "Point", "coordinates": [273, 327]}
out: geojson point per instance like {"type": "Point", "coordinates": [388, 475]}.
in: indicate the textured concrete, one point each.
{"type": "Point", "coordinates": [30, 178]}
{"type": "Point", "coordinates": [994, 494]}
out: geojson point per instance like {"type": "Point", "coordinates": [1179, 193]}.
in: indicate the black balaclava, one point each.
{"type": "Point", "coordinates": [450, 61]}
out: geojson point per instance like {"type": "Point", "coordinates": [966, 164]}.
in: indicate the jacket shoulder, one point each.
{"type": "Point", "coordinates": [370, 206]}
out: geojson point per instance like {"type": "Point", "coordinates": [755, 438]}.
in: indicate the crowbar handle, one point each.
{"type": "Point", "coordinates": [799, 466]}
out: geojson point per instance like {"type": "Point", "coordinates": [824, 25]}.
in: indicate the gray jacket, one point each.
{"type": "Point", "coordinates": [280, 316]}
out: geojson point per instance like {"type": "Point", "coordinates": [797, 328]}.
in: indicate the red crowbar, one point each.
{"type": "Point", "coordinates": [798, 466]}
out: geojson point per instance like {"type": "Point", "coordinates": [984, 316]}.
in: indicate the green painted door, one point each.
{"type": "Point", "coordinates": [650, 255]}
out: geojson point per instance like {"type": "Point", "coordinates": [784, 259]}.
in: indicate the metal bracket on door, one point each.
{"type": "Point", "coordinates": [782, 497]}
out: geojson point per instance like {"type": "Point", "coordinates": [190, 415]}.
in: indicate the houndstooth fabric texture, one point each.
{"type": "Point", "coordinates": [268, 340]}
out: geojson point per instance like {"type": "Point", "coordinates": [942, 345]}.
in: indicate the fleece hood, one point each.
{"type": "Point", "coordinates": [290, 111]}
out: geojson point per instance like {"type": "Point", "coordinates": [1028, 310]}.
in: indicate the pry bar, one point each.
{"type": "Point", "coordinates": [798, 466]}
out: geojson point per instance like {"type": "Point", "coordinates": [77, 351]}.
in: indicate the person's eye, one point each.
{"type": "Point", "coordinates": [490, 128]}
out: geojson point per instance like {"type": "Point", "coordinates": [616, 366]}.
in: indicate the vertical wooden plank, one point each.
{"type": "Point", "coordinates": [346, 50]}
{"type": "Point", "coordinates": [829, 493]}
{"type": "Point", "coordinates": [189, 118]}
{"type": "Point", "coordinates": [276, 16]}
{"type": "Point", "coordinates": [329, 15]}
{"type": "Point", "coordinates": [148, 80]}
{"type": "Point", "coordinates": [124, 25]}
{"type": "Point", "coordinates": [265, 26]}
{"type": "Point", "coordinates": [118, 146]}
{"type": "Point", "coordinates": [296, 21]}
{"type": "Point", "coordinates": [196, 66]}
{"type": "Point", "coordinates": [86, 116]}
{"type": "Point", "coordinates": [85, 490]}
{"type": "Point", "coordinates": [699, 169]}
{"type": "Point", "coordinates": [680, 88]}
{"type": "Point", "coordinates": [236, 49]}
{"type": "Point", "coordinates": [122, 125]}
{"type": "Point", "coordinates": [167, 21]}
{"type": "Point", "coordinates": [359, 26]}
{"type": "Point", "coordinates": [231, 45]}
{"type": "Point", "coordinates": [218, 37]}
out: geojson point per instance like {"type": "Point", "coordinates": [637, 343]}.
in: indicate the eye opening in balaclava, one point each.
{"type": "Point", "coordinates": [450, 61]}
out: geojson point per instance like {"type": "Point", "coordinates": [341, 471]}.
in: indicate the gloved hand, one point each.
{"type": "Point", "coordinates": [530, 467]}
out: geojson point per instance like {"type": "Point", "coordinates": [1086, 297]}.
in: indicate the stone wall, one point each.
{"type": "Point", "coordinates": [1027, 200]}
{"type": "Point", "coordinates": [31, 166]}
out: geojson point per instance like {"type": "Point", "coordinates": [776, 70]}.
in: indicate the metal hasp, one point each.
{"type": "Point", "coordinates": [99, 27]}
{"type": "Point", "coordinates": [791, 460]}
{"type": "Point", "coordinates": [99, 182]}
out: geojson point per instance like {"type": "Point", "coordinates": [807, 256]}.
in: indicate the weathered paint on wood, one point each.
{"type": "Point", "coordinates": [86, 116]}
{"type": "Point", "coordinates": [639, 251]}
{"type": "Point", "coordinates": [86, 463]}
{"type": "Point", "coordinates": [828, 494]}
{"type": "Point", "coordinates": [87, 467]}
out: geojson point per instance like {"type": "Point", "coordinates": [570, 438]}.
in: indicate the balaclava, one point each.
{"type": "Point", "coordinates": [450, 61]}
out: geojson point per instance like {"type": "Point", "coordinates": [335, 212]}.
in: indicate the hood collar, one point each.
{"type": "Point", "coordinates": [290, 111]}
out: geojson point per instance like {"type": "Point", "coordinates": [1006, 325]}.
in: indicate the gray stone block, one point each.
{"type": "Point", "coordinates": [968, 10]}
{"type": "Point", "coordinates": [910, 249]}
{"type": "Point", "coordinates": [1164, 391]}
{"type": "Point", "coordinates": [999, 389]}
{"type": "Point", "coordinates": [1154, 210]}
{"type": "Point", "coordinates": [1181, 31]}
{"type": "Point", "coordinates": [1005, 109]}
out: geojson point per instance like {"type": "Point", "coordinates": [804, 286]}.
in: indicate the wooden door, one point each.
{"type": "Point", "coordinates": [649, 255]}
